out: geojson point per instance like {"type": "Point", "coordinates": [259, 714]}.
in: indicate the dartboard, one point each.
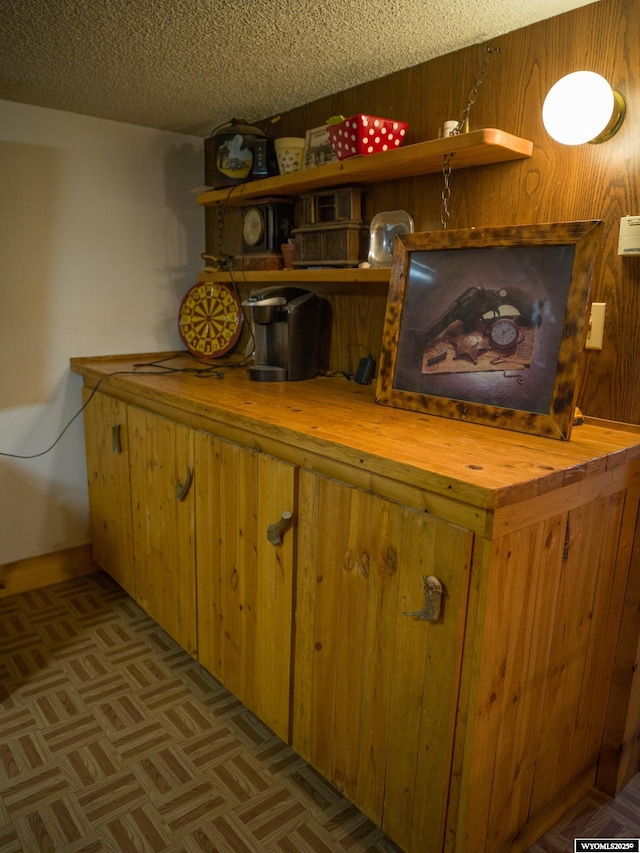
{"type": "Point", "coordinates": [210, 319]}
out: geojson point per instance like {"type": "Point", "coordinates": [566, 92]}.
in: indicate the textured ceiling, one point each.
{"type": "Point", "coordinates": [190, 65]}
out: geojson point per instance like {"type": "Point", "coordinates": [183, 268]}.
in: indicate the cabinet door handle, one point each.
{"type": "Point", "coordinates": [432, 601]}
{"type": "Point", "coordinates": [182, 489]}
{"type": "Point", "coordinates": [276, 531]}
{"type": "Point", "coordinates": [116, 443]}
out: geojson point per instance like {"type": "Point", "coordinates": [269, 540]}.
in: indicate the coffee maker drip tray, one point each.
{"type": "Point", "coordinates": [267, 373]}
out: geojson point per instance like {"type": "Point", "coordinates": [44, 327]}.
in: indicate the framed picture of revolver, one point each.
{"type": "Point", "coordinates": [488, 325]}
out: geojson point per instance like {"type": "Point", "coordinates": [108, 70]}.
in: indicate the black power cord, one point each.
{"type": "Point", "coordinates": [364, 371]}
{"type": "Point", "coordinates": [211, 371]}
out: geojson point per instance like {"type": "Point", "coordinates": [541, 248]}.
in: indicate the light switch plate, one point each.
{"type": "Point", "coordinates": [595, 333]}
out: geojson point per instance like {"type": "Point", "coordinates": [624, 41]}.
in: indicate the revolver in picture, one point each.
{"type": "Point", "coordinates": [476, 302]}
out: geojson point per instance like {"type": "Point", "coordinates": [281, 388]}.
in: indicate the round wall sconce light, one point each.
{"type": "Point", "coordinates": [582, 107]}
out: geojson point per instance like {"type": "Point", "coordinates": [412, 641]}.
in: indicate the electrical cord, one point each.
{"type": "Point", "coordinates": [349, 348]}
{"type": "Point", "coordinates": [212, 371]}
{"type": "Point", "coordinates": [363, 373]}
{"type": "Point", "coordinates": [162, 368]}
{"type": "Point", "coordinates": [342, 373]}
{"type": "Point", "coordinates": [228, 261]}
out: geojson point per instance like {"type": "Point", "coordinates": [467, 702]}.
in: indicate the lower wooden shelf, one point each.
{"type": "Point", "coordinates": [353, 275]}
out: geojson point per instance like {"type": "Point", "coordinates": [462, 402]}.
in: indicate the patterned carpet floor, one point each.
{"type": "Point", "coordinates": [113, 739]}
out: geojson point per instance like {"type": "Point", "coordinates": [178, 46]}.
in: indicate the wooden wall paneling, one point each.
{"type": "Point", "coordinates": [357, 313]}
{"type": "Point", "coordinates": [558, 183]}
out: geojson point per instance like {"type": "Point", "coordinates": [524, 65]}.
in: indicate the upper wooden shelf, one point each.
{"type": "Point", "coordinates": [476, 148]}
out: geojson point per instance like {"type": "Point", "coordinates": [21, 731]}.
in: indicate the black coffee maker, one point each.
{"type": "Point", "coordinates": [286, 324]}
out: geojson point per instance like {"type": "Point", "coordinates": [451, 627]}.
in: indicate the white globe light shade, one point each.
{"type": "Point", "coordinates": [578, 108]}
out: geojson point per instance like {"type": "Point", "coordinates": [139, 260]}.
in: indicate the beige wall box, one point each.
{"type": "Point", "coordinates": [629, 240]}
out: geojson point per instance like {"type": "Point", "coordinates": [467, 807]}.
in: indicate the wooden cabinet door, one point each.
{"type": "Point", "coordinates": [375, 688]}
{"type": "Point", "coordinates": [106, 444]}
{"type": "Point", "coordinates": [245, 582]}
{"type": "Point", "coordinates": [162, 470]}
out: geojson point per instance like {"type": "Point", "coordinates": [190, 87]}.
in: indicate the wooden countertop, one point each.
{"type": "Point", "coordinates": [485, 467]}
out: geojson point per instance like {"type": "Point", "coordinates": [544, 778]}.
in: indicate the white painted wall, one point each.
{"type": "Point", "coordinates": [100, 238]}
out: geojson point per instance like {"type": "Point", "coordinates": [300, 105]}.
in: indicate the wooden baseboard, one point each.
{"type": "Point", "coordinates": [45, 569]}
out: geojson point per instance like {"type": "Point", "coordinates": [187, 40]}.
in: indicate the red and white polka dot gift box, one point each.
{"type": "Point", "coordinates": [362, 134]}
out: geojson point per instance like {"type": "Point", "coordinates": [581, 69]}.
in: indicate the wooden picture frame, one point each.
{"type": "Point", "coordinates": [488, 325]}
{"type": "Point", "coordinates": [318, 149]}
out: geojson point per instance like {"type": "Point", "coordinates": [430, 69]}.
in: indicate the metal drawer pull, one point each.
{"type": "Point", "coordinates": [116, 444]}
{"type": "Point", "coordinates": [432, 601]}
{"type": "Point", "coordinates": [182, 489]}
{"type": "Point", "coordinates": [276, 531]}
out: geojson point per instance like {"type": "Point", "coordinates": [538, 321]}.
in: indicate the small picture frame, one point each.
{"type": "Point", "coordinates": [318, 149]}
{"type": "Point", "coordinates": [488, 325]}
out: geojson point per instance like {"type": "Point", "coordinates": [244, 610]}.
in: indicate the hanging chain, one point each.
{"type": "Point", "coordinates": [446, 191]}
{"type": "Point", "coordinates": [463, 124]}
{"type": "Point", "coordinates": [473, 94]}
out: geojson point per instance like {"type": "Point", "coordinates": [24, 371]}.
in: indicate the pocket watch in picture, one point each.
{"type": "Point", "coordinates": [504, 335]}
{"type": "Point", "coordinates": [210, 319]}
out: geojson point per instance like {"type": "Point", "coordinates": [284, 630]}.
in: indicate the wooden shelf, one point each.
{"type": "Point", "coordinates": [476, 148]}
{"type": "Point", "coordinates": [333, 276]}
